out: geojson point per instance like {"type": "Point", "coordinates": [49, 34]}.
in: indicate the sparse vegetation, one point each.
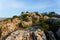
{"type": "Point", "coordinates": [26, 18]}
{"type": "Point", "coordinates": [21, 26]}
{"type": "Point", "coordinates": [34, 20]}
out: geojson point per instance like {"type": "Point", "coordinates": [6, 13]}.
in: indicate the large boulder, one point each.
{"type": "Point", "coordinates": [19, 35]}
{"type": "Point", "coordinates": [39, 34]}
{"type": "Point", "coordinates": [50, 35]}
{"type": "Point", "coordinates": [58, 33]}
{"type": "Point", "coordinates": [7, 28]}
{"type": "Point", "coordinates": [46, 17]}
{"type": "Point", "coordinates": [27, 35]}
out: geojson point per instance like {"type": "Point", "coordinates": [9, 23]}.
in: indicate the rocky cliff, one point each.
{"type": "Point", "coordinates": [29, 26]}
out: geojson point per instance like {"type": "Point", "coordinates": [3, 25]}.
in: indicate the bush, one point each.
{"type": "Point", "coordinates": [56, 25]}
{"type": "Point", "coordinates": [15, 17]}
{"type": "Point", "coordinates": [21, 26]}
{"type": "Point", "coordinates": [44, 26]}
{"type": "Point", "coordinates": [53, 25]}
{"type": "Point", "coordinates": [24, 17]}
{"type": "Point", "coordinates": [34, 20]}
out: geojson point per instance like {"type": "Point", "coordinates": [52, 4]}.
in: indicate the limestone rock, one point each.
{"type": "Point", "coordinates": [40, 35]}
{"type": "Point", "coordinates": [19, 35]}
{"type": "Point", "coordinates": [46, 17]}
{"type": "Point", "coordinates": [27, 35]}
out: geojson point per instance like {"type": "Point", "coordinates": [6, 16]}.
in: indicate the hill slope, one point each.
{"type": "Point", "coordinates": [29, 23]}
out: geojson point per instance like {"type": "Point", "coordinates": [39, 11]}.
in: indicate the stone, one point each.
{"type": "Point", "coordinates": [27, 35]}
{"type": "Point", "coordinates": [58, 33]}
{"type": "Point", "coordinates": [50, 35]}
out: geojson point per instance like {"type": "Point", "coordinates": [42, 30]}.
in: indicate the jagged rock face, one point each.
{"type": "Point", "coordinates": [19, 35]}
{"type": "Point", "coordinates": [12, 28]}
{"type": "Point", "coordinates": [8, 27]}
{"type": "Point", "coordinates": [26, 35]}
{"type": "Point", "coordinates": [40, 35]}
{"type": "Point", "coordinates": [58, 33]}
{"type": "Point", "coordinates": [50, 35]}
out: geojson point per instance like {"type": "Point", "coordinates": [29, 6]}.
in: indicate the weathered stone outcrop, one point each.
{"type": "Point", "coordinates": [50, 35]}
{"type": "Point", "coordinates": [58, 33]}
{"type": "Point", "coordinates": [28, 26]}
{"type": "Point", "coordinates": [27, 35]}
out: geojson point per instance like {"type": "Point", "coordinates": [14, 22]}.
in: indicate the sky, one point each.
{"type": "Point", "coordinates": [8, 8]}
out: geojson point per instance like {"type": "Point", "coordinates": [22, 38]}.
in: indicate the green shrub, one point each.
{"type": "Point", "coordinates": [55, 25]}
{"type": "Point", "coordinates": [21, 26]}
{"type": "Point", "coordinates": [24, 17]}
{"type": "Point", "coordinates": [34, 20]}
{"type": "Point", "coordinates": [15, 17]}
{"type": "Point", "coordinates": [44, 26]}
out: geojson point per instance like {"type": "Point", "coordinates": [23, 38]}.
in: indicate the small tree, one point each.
{"type": "Point", "coordinates": [34, 20]}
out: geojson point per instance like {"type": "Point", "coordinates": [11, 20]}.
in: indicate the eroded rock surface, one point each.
{"type": "Point", "coordinates": [58, 33]}
{"type": "Point", "coordinates": [50, 35]}
{"type": "Point", "coordinates": [27, 35]}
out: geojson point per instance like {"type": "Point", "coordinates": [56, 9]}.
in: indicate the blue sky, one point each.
{"type": "Point", "coordinates": [8, 8]}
